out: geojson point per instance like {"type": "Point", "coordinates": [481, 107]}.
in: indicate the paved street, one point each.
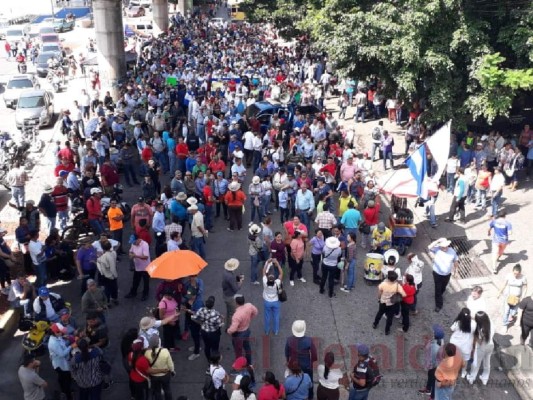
{"type": "Point", "coordinates": [337, 324]}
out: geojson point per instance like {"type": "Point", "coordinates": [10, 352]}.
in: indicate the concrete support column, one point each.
{"type": "Point", "coordinates": [160, 16]}
{"type": "Point", "coordinates": [184, 6]}
{"type": "Point", "coordinates": [110, 43]}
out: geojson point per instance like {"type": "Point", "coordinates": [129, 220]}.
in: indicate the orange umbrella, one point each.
{"type": "Point", "coordinates": [176, 264]}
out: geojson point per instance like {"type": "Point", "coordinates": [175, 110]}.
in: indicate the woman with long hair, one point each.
{"type": "Point", "coordinates": [463, 329]}
{"type": "Point", "coordinates": [483, 348]}
{"type": "Point", "coordinates": [218, 375]}
{"type": "Point", "coordinates": [329, 379]}
{"type": "Point", "coordinates": [85, 369]}
{"type": "Point", "coordinates": [244, 392]}
{"type": "Point", "coordinates": [296, 257]}
{"type": "Point", "coordinates": [386, 290]}
{"type": "Point", "coordinates": [409, 288]}
{"type": "Point", "coordinates": [272, 389]}
{"type": "Point", "coordinates": [297, 384]}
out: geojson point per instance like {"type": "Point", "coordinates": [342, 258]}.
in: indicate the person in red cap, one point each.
{"type": "Point", "coordinates": [59, 349]}
{"type": "Point", "coordinates": [241, 367]}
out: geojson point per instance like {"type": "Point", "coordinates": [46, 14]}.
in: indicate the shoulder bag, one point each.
{"type": "Point", "coordinates": [396, 297]}
{"type": "Point", "coordinates": [282, 294]}
{"type": "Point", "coordinates": [297, 387]}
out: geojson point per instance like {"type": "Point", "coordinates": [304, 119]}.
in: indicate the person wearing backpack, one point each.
{"type": "Point", "coordinates": [365, 374]}
{"type": "Point", "coordinates": [216, 378]}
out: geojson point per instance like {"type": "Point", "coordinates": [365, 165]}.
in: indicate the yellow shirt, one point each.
{"type": "Point", "coordinates": [114, 224]}
{"type": "Point", "coordinates": [378, 237]}
{"type": "Point", "coordinates": [343, 204]}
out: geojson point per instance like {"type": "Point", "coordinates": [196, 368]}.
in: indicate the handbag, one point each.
{"type": "Point", "coordinates": [282, 294]}
{"type": "Point", "coordinates": [396, 297]}
{"type": "Point", "coordinates": [256, 202]}
{"type": "Point", "coordinates": [513, 300]}
{"type": "Point", "coordinates": [364, 228]}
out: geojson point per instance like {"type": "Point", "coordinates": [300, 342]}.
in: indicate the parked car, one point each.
{"type": "Point", "coordinates": [50, 38]}
{"type": "Point", "coordinates": [15, 85]}
{"type": "Point", "coordinates": [15, 33]}
{"type": "Point", "coordinates": [36, 105]}
{"type": "Point", "coordinates": [46, 29]}
{"type": "Point", "coordinates": [135, 11]}
{"type": "Point", "coordinates": [41, 64]}
{"type": "Point", "coordinates": [53, 47]}
{"type": "Point", "coordinates": [65, 24]}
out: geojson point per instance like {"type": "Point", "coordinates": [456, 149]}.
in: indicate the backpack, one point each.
{"type": "Point", "coordinates": [374, 376]}
{"type": "Point", "coordinates": [376, 133]}
{"type": "Point", "coordinates": [209, 390]}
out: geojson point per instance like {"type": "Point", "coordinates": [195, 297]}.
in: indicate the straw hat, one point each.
{"type": "Point", "coordinates": [298, 328]}
{"type": "Point", "coordinates": [181, 196]}
{"type": "Point", "coordinates": [234, 186]}
{"type": "Point", "coordinates": [256, 180]}
{"type": "Point", "coordinates": [254, 229]}
{"type": "Point", "coordinates": [146, 323]}
{"type": "Point", "coordinates": [232, 264]}
{"type": "Point", "coordinates": [48, 189]}
{"type": "Point", "coordinates": [192, 201]}
{"type": "Point", "coordinates": [332, 242]}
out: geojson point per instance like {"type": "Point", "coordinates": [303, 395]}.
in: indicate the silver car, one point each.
{"type": "Point", "coordinates": [16, 85]}
{"type": "Point", "coordinates": [35, 105]}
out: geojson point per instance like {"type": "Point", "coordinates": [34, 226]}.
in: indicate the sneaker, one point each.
{"type": "Point", "coordinates": [302, 280]}
{"type": "Point", "coordinates": [424, 391]}
{"type": "Point", "coordinates": [463, 374]}
{"type": "Point", "coordinates": [192, 348]}
{"type": "Point", "coordinates": [345, 290]}
{"type": "Point", "coordinates": [291, 283]}
{"type": "Point", "coordinates": [256, 283]}
{"type": "Point", "coordinates": [495, 271]}
{"type": "Point", "coordinates": [397, 316]}
{"type": "Point", "coordinates": [193, 357]}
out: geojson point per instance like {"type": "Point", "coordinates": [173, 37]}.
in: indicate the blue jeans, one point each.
{"type": "Point", "coordinates": [208, 217]}
{"type": "Point", "coordinates": [350, 283]}
{"type": "Point", "coordinates": [198, 246]}
{"type": "Point", "coordinates": [509, 312]}
{"type": "Point", "coordinates": [272, 309]}
{"type": "Point", "coordinates": [181, 165]}
{"type": "Point", "coordinates": [241, 345]}
{"type": "Point", "coordinates": [450, 181]}
{"type": "Point", "coordinates": [304, 218]}
{"type": "Point", "coordinates": [162, 159]}
{"type": "Point", "coordinates": [50, 223]}
{"type": "Point", "coordinates": [200, 132]}
{"type": "Point", "coordinates": [265, 203]}
{"type": "Point", "coordinates": [256, 210]}
{"type": "Point", "coordinates": [375, 146]}
{"type": "Point", "coordinates": [358, 394]}
{"type": "Point", "coordinates": [18, 194]}
{"type": "Point", "coordinates": [444, 393]}
{"type": "Point", "coordinates": [129, 174]}
{"type": "Point", "coordinates": [481, 198]}
{"type": "Point", "coordinates": [430, 209]}
{"type": "Point", "coordinates": [387, 155]}
{"type": "Point", "coordinates": [40, 271]}
{"type": "Point", "coordinates": [172, 162]}
{"type": "Point", "coordinates": [360, 113]}
{"type": "Point", "coordinates": [496, 203]}
{"type": "Point", "coordinates": [97, 226]}
{"type": "Point", "coordinates": [254, 264]}
{"type": "Point", "coordinates": [63, 219]}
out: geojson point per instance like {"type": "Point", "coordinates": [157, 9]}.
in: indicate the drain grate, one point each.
{"type": "Point", "coordinates": [470, 265]}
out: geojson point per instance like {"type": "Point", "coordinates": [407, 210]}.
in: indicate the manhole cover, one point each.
{"type": "Point", "coordinates": [470, 265]}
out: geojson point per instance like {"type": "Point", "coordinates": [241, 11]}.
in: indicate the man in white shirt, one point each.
{"type": "Point", "coordinates": [97, 244]}
{"type": "Point", "coordinates": [38, 258]}
{"type": "Point", "coordinates": [496, 189]}
{"type": "Point", "coordinates": [475, 303]}
{"type": "Point", "coordinates": [198, 231]}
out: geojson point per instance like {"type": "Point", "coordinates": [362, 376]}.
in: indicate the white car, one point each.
{"type": "Point", "coordinates": [141, 3]}
{"type": "Point", "coordinates": [16, 85]}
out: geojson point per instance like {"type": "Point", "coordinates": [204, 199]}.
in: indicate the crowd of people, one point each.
{"type": "Point", "coordinates": [181, 118]}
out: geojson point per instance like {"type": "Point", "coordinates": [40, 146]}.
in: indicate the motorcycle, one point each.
{"type": "Point", "coordinates": [116, 196]}
{"type": "Point", "coordinates": [35, 337]}
{"type": "Point", "coordinates": [30, 134]}
{"type": "Point", "coordinates": [56, 78]}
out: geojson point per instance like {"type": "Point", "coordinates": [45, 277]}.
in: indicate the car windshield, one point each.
{"type": "Point", "coordinates": [14, 32]}
{"type": "Point", "coordinates": [31, 102]}
{"type": "Point", "coordinates": [20, 84]}
{"type": "Point", "coordinates": [50, 47]}
{"type": "Point", "coordinates": [47, 29]}
{"type": "Point", "coordinates": [49, 39]}
{"type": "Point", "coordinates": [252, 111]}
{"type": "Point", "coordinates": [43, 58]}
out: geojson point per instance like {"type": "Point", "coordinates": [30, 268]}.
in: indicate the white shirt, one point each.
{"type": "Point", "coordinates": [98, 245]}
{"type": "Point", "coordinates": [443, 261]}
{"type": "Point", "coordinates": [270, 293]}
{"type": "Point", "coordinates": [476, 305]}
{"type": "Point", "coordinates": [248, 140]}
{"type": "Point", "coordinates": [35, 247]}
{"type": "Point", "coordinates": [452, 165]}
{"type": "Point", "coordinates": [463, 340]}
{"type": "Point", "coordinates": [332, 382]}
{"type": "Point", "coordinates": [515, 285]}
{"type": "Point", "coordinates": [497, 183]}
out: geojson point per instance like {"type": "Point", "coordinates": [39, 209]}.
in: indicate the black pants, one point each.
{"type": "Point", "coordinates": [110, 287]}
{"type": "Point", "coordinates": [137, 276]}
{"type": "Point", "coordinates": [457, 204]}
{"type": "Point", "coordinates": [328, 274]}
{"type": "Point", "coordinates": [295, 268]}
{"type": "Point", "coordinates": [211, 342]}
{"type": "Point", "coordinates": [441, 281]}
{"type": "Point", "coordinates": [323, 393]}
{"type": "Point", "coordinates": [315, 262]}
{"type": "Point", "coordinates": [430, 385]}
{"type": "Point", "coordinates": [140, 390]}
{"type": "Point", "coordinates": [405, 309]}
{"type": "Point", "coordinates": [224, 209]}
{"type": "Point", "coordinates": [235, 217]}
{"type": "Point", "coordinates": [5, 278]}
{"type": "Point", "coordinates": [161, 383]}
{"type": "Point", "coordinates": [195, 334]}
{"type": "Point", "coordinates": [389, 311]}
{"type": "Point", "coordinates": [65, 382]}
{"type": "Point", "coordinates": [526, 329]}
{"type": "Point", "coordinates": [169, 336]}
{"type": "Point", "coordinates": [117, 235]}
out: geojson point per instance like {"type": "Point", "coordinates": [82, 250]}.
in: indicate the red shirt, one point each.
{"type": "Point", "coordinates": [147, 154]}
{"type": "Point", "coordinates": [410, 293]}
{"type": "Point", "coordinates": [269, 392]}
{"type": "Point", "coordinates": [371, 215]}
{"type": "Point", "coordinates": [182, 150]}
{"type": "Point", "coordinates": [331, 168]}
{"type": "Point", "coordinates": [94, 208]}
{"type": "Point", "coordinates": [66, 153]}
{"type": "Point", "coordinates": [61, 167]}
{"type": "Point", "coordinates": [144, 234]}
{"type": "Point", "coordinates": [208, 195]}
{"type": "Point", "coordinates": [109, 175]}
{"type": "Point", "coordinates": [217, 166]}
{"type": "Point", "coordinates": [60, 196]}
{"type": "Point", "coordinates": [289, 226]}
{"type": "Point", "coordinates": [142, 364]}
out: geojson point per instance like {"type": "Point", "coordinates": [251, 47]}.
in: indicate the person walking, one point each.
{"type": "Point", "coordinates": [483, 348]}
{"type": "Point", "coordinates": [409, 288]}
{"type": "Point", "coordinates": [500, 230]}
{"type": "Point", "coordinates": [160, 359]}
{"type": "Point", "coordinates": [516, 285]}
{"type": "Point", "coordinates": [447, 372]}
{"type": "Point", "coordinates": [115, 217]}
{"type": "Point", "coordinates": [330, 259]}
{"type": "Point", "coordinates": [496, 190]}
{"type": "Point", "coordinates": [433, 357]}
{"type": "Point", "coordinates": [301, 349]}
{"type": "Point", "coordinates": [59, 349]}
{"type": "Point", "coordinates": [240, 328]}
{"type": "Point", "coordinates": [463, 329]}
{"type": "Point", "coordinates": [211, 322]}
{"type": "Point", "coordinates": [445, 261]}
{"type": "Point", "coordinates": [17, 179]}
{"type": "Point", "coordinates": [271, 288]}
{"type": "Point", "coordinates": [231, 283]}
{"type": "Point", "coordinates": [317, 246]}
{"type": "Point", "coordinates": [140, 256]}
{"type": "Point", "coordinates": [198, 231]}
{"type": "Point", "coordinates": [526, 321]}
{"type": "Point", "coordinates": [85, 368]}
{"type": "Point", "coordinates": [386, 290]}
{"type": "Point", "coordinates": [255, 247]}
{"type": "Point", "coordinates": [361, 377]}
{"type": "Point", "coordinates": [460, 192]}
{"type": "Point", "coordinates": [350, 264]}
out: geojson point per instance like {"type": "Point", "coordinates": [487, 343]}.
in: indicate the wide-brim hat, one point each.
{"type": "Point", "coordinates": [234, 186]}
{"type": "Point", "coordinates": [254, 229]}
{"type": "Point", "coordinates": [232, 264]}
{"type": "Point", "coordinates": [181, 196]}
{"type": "Point", "coordinates": [256, 180]}
{"type": "Point", "coordinates": [332, 242]}
{"type": "Point", "coordinates": [192, 201]}
{"type": "Point", "coordinates": [48, 189]}
{"type": "Point", "coordinates": [298, 328]}
{"type": "Point", "coordinates": [146, 323]}
{"type": "Point", "coordinates": [443, 242]}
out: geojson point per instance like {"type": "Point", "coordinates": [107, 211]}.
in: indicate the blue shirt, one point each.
{"type": "Point", "coordinates": [177, 209]}
{"type": "Point", "coordinates": [190, 162]}
{"type": "Point", "coordinates": [158, 223]}
{"type": "Point", "coordinates": [59, 353]}
{"type": "Point", "coordinates": [297, 387]}
{"type": "Point", "coordinates": [466, 157]}
{"type": "Point", "coordinates": [199, 291]}
{"type": "Point", "coordinates": [501, 229]}
{"type": "Point", "coordinates": [351, 218]}
{"type": "Point", "coordinates": [304, 201]}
